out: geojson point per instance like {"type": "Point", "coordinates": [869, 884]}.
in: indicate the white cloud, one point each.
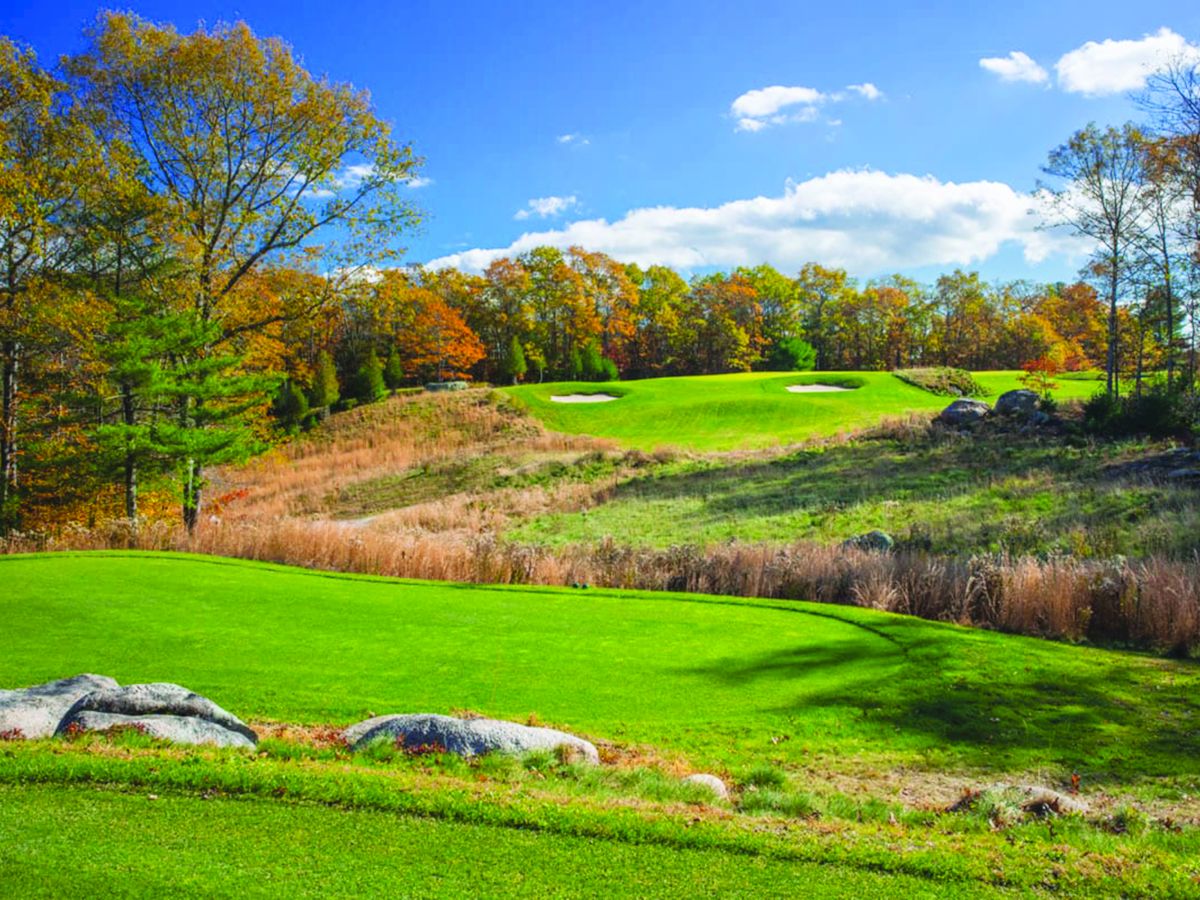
{"type": "Point", "coordinates": [573, 138]}
{"type": "Point", "coordinates": [545, 207]}
{"type": "Point", "coordinates": [1017, 66]}
{"type": "Point", "coordinates": [866, 90]}
{"type": "Point", "coordinates": [767, 101]}
{"type": "Point", "coordinates": [780, 105]}
{"type": "Point", "coordinates": [866, 221]}
{"type": "Point", "coordinates": [1113, 67]}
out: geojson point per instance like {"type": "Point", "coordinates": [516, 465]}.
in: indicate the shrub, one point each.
{"type": "Point", "coordinates": [942, 380]}
{"type": "Point", "coordinates": [1158, 411]}
{"type": "Point", "coordinates": [290, 408]}
{"type": "Point", "coordinates": [368, 385]}
{"type": "Point", "coordinates": [393, 372]}
{"type": "Point", "coordinates": [791, 355]}
{"type": "Point", "coordinates": [325, 389]}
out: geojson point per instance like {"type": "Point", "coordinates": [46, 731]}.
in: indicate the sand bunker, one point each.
{"type": "Point", "coordinates": [816, 388]}
{"type": "Point", "coordinates": [583, 398]}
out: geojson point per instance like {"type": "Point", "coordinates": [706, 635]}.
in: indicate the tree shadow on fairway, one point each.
{"type": "Point", "coordinates": [989, 701]}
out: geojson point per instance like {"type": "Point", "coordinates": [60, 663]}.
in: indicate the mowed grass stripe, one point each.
{"type": "Point", "coordinates": [180, 845]}
{"type": "Point", "coordinates": [722, 680]}
{"type": "Point", "coordinates": [745, 410]}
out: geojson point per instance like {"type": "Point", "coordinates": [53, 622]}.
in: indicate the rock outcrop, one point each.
{"type": "Point", "coordinates": [163, 710]}
{"type": "Point", "coordinates": [964, 412]}
{"type": "Point", "coordinates": [34, 712]}
{"type": "Point", "coordinates": [465, 737]}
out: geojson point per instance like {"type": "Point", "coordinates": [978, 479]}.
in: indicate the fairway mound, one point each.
{"type": "Point", "coordinates": [35, 712]}
{"type": "Point", "coordinates": [582, 398]}
{"type": "Point", "coordinates": [464, 737]}
{"type": "Point", "coordinates": [162, 710]}
{"type": "Point", "coordinates": [817, 388]}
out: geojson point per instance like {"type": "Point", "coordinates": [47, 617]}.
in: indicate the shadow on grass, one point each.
{"type": "Point", "coordinates": [964, 495]}
{"type": "Point", "coordinates": [993, 702]}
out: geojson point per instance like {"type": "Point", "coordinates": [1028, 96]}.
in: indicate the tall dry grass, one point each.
{"type": "Point", "coordinates": [1152, 604]}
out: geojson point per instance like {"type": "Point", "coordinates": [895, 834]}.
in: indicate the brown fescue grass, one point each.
{"type": "Point", "coordinates": [382, 439]}
{"type": "Point", "coordinates": [1152, 604]}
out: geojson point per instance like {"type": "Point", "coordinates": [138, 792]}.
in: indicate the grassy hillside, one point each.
{"type": "Point", "coordinates": [844, 732]}
{"type": "Point", "coordinates": [989, 493]}
{"type": "Point", "coordinates": [744, 411]}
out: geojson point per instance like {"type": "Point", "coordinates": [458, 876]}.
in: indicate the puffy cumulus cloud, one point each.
{"type": "Point", "coordinates": [1113, 67]}
{"type": "Point", "coordinates": [779, 105]}
{"type": "Point", "coordinates": [545, 207]}
{"type": "Point", "coordinates": [763, 102]}
{"type": "Point", "coordinates": [1017, 66]}
{"type": "Point", "coordinates": [573, 139]}
{"type": "Point", "coordinates": [866, 221]}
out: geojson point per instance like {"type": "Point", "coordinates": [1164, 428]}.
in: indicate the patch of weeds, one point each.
{"type": "Point", "coordinates": [1127, 819]}
{"type": "Point", "coordinates": [795, 804]}
{"type": "Point", "coordinates": [942, 380]}
{"type": "Point", "coordinates": [763, 777]}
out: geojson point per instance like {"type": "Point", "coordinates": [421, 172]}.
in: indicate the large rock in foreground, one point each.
{"type": "Point", "coordinates": [712, 782]}
{"type": "Point", "coordinates": [1023, 403]}
{"type": "Point", "coordinates": [964, 412]}
{"type": "Point", "coordinates": [35, 712]}
{"type": "Point", "coordinates": [465, 737]}
{"type": "Point", "coordinates": [163, 710]}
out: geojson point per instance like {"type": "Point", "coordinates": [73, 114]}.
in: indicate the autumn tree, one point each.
{"type": "Point", "coordinates": [819, 291]}
{"type": "Point", "coordinates": [1101, 197]}
{"type": "Point", "coordinates": [253, 159]}
{"type": "Point", "coordinates": [46, 153]}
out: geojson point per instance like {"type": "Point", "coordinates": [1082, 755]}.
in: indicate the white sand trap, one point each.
{"type": "Point", "coordinates": [816, 388]}
{"type": "Point", "coordinates": [583, 398]}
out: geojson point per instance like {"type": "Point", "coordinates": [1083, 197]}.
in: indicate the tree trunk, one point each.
{"type": "Point", "coordinates": [191, 496]}
{"type": "Point", "coordinates": [8, 430]}
{"type": "Point", "coordinates": [129, 417]}
{"type": "Point", "coordinates": [1113, 388]}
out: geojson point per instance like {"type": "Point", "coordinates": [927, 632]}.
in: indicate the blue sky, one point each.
{"type": "Point", "coordinates": [865, 135]}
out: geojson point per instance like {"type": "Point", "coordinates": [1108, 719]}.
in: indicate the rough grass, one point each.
{"type": "Point", "coordinates": [934, 491]}
{"type": "Point", "coordinates": [746, 411]}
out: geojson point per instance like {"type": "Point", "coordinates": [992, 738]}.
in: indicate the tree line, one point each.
{"type": "Point", "coordinates": [198, 250]}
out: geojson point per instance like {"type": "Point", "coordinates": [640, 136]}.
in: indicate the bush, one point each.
{"type": "Point", "coordinates": [1158, 411]}
{"type": "Point", "coordinates": [290, 407]}
{"type": "Point", "coordinates": [325, 389]}
{"type": "Point", "coordinates": [368, 385]}
{"type": "Point", "coordinates": [942, 380]}
{"type": "Point", "coordinates": [791, 355]}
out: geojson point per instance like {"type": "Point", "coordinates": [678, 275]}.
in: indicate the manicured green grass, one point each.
{"type": "Point", "coordinates": [984, 494]}
{"type": "Point", "coordinates": [744, 411]}
{"type": "Point", "coordinates": [792, 703]}
{"type": "Point", "coordinates": [70, 841]}
{"type": "Point", "coordinates": [726, 682]}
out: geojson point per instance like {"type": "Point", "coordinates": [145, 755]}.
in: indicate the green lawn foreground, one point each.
{"type": "Point", "coordinates": [735, 686]}
{"type": "Point", "coordinates": [746, 410]}
{"type": "Point", "coordinates": [180, 845]}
